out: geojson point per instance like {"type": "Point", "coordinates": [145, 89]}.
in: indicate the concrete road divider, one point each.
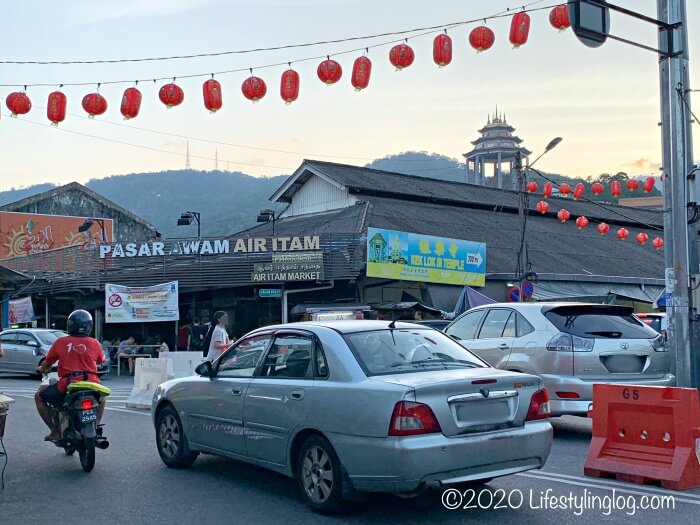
{"type": "Point", "coordinates": [645, 435]}
{"type": "Point", "coordinates": [183, 363]}
{"type": "Point", "coordinates": [148, 374]}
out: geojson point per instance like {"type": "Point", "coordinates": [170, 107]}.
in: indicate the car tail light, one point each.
{"type": "Point", "coordinates": [539, 406]}
{"type": "Point", "coordinates": [570, 343]}
{"type": "Point", "coordinates": [87, 404]}
{"type": "Point", "coordinates": [659, 344]}
{"type": "Point", "coordinates": [410, 419]}
{"type": "Point", "coordinates": [568, 395]}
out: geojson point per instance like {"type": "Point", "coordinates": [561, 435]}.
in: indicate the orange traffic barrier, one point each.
{"type": "Point", "coordinates": [645, 435]}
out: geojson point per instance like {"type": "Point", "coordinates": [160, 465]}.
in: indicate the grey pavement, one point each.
{"type": "Point", "coordinates": [130, 485]}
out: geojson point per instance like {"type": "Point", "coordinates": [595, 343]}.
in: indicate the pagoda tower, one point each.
{"type": "Point", "coordinates": [496, 146]}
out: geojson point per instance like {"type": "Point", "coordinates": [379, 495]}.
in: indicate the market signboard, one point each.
{"type": "Point", "coordinates": [30, 233]}
{"type": "Point", "coordinates": [285, 267]}
{"type": "Point", "coordinates": [146, 304]}
{"type": "Point", "coordinates": [414, 257]}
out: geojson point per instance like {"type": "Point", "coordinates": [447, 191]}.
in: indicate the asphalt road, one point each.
{"type": "Point", "coordinates": [130, 485]}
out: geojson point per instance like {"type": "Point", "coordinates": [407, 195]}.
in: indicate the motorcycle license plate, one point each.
{"type": "Point", "coordinates": [87, 416]}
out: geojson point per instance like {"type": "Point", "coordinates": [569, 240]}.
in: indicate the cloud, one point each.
{"type": "Point", "coordinates": [643, 164]}
{"type": "Point", "coordinates": [103, 11]}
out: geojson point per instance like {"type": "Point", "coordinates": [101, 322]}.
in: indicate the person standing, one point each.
{"type": "Point", "coordinates": [198, 334]}
{"type": "Point", "coordinates": [184, 338]}
{"type": "Point", "coordinates": [217, 338]}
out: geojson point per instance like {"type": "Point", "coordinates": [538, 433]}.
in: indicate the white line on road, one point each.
{"type": "Point", "coordinates": [115, 409]}
{"type": "Point", "coordinates": [617, 484]}
{"type": "Point", "coordinates": [677, 496]}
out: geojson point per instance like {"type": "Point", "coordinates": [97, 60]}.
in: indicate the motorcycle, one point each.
{"type": "Point", "coordinates": [78, 420]}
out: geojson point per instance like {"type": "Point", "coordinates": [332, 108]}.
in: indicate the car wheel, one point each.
{"type": "Point", "coordinates": [319, 476]}
{"type": "Point", "coordinates": [171, 440]}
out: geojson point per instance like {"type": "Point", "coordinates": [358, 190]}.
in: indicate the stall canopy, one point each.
{"type": "Point", "coordinates": [604, 292]}
{"type": "Point", "coordinates": [410, 305]}
{"type": "Point", "coordinates": [302, 309]}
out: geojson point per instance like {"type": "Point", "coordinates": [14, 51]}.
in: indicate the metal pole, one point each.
{"type": "Point", "coordinates": [681, 255]}
{"type": "Point", "coordinates": [522, 203]}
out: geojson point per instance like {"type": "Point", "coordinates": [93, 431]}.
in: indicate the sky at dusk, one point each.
{"type": "Point", "coordinates": [603, 102]}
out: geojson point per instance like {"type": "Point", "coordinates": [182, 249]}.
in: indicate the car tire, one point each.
{"type": "Point", "coordinates": [319, 476]}
{"type": "Point", "coordinates": [172, 441]}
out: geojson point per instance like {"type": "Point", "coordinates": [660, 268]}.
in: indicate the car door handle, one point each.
{"type": "Point", "coordinates": [237, 390]}
{"type": "Point", "coordinates": [503, 347]}
{"type": "Point", "coordinates": [298, 395]}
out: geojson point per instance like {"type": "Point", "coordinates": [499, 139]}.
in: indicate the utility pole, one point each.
{"type": "Point", "coordinates": [522, 205]}
{"type": "Point", "coordinates": [681, 238]}
{"type": "Point", "coordinates": [188, 165]}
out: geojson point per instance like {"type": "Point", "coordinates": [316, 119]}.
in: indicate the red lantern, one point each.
{"type": "Point", "coordinates": [642, 238]}
{"type": "Point", "coordinates": [579, 191]}
{"type": "Point", "coordinates": [94, 104]}
{"type": "Point", "coordinates": [563, 215]}
{"type": "Point", "coordinates": [519, 29]}
{"type": "Point", "coordinates": [559, 17]}
{"type": "Point", "coordinates": [564, 189]}
{"type": "Point", "coordinates": [632, 184]}
{"type": "Point", "coordinates": [329, 71]}
{"type": "Point", "coordinates": [649, 184]}
{"type": "Point", "coordinates": [531, 187]}
{"type": "Point", "coordinates": [171, 95]}
{"type": "Point", "coordinates": [615, 188]}
{"type": "Point", "coordinates": [289, 86]}
{"type": "Point", "coordinates": [582, 222]}
{"type": "Point", "coordinates": [131, 103]}
{"type": "Point", "coordinates": [542, 207]}
{"type": "Point", "coordinates": [18, 103]}
{"type": "Point", "coordinates": [361, 71]}
{"type": "Point", "coordinates": [622, 234]}
{"type": "Point", "coordinates": [547, 190]}
{"type": "Point", "coordinates": [658, 243]}
{"type": "Point", "coordinates": [603, 228]}
{"type": "Point", "coordinates": [597, 188]}
{"type": "Point", "coordinates": [254, 88]}
{"type": "Point", "coordinates": [211, 90]}
{"type": "Point", "coordinates": [442, 50]}
{"type": "Point", "coordinates": [481, 38]}
{"type": "Point", "coordinates": [56, 107]}
{"type": "Point", "coordinates": [401, 56]}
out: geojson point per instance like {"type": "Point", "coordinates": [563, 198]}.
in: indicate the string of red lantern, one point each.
{"type": "Point", "coordinates": [329, 71]}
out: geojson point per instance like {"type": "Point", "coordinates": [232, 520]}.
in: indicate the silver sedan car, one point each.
{"type": "Point", "coordinates": [356, 406]}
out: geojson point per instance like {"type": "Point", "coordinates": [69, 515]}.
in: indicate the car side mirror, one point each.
{"type": "Point", "coordinates": [205, 369]}
{"type": "Point", "coordinates": [33, 344]}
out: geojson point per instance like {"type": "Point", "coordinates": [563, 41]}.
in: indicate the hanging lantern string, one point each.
{"type": "Point", "coordinates": [273, 48]}
{"type": "Point", "coordinates": [600, 205]}
{"type": "Point", "coordinates": [427, 31]}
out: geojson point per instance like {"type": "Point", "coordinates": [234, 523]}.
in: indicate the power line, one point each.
{"type": "Point", "coordinates": [141, 146]}
{"type": "Point", "coordinates": [429, 31]}
{"type": "Point", "coordinates": [264, 49]}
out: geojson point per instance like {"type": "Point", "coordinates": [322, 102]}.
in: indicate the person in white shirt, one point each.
{"type": "Point", "coordinates": [218, 336]}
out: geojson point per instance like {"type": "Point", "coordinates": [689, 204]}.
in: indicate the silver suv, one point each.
{"type": "Point", "coordinates": [570, 346]}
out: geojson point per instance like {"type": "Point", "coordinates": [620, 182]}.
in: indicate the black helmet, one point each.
{"type": "Point", "coordinates": [80, 323]}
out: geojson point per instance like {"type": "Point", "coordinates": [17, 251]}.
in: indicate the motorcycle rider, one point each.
{"type": "Point", "coordinates": [78, 355]}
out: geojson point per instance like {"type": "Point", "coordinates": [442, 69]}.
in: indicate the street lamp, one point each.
{"type": "Point", "coordinates": [85, 227]}
{"type": "Point", "coordinates": [186, 219]}
{"type": "Point", "coordinates": [267, 216]}
{"type": "Point", "coordinates": [523, 268]}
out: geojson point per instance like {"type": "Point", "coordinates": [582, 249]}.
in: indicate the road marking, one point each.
{"type": "Point", "coordinates": [115, 409]}
{"type": "Point", "coordinates": [625, 490]}
{"type": "Point", "coordinates": [617, 484]}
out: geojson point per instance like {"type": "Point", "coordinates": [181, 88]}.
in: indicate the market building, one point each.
{"type": "Point", "coordinates": [356, 238]}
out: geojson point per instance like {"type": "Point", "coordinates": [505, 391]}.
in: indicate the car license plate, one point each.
{"type": "Point", "coordinates": [483, 412]}
{"type": "Point", "coordinates": [88, 416]}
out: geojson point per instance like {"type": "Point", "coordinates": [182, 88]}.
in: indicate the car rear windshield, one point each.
{"type": "Point", "coordinates": [49, 336]}
{"type": "Point", "coordinates": [408, 350]}
{"type": "Point", "coordinates": [599, 322]}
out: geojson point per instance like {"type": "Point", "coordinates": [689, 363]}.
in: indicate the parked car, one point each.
{"type": "Point", "coordinates": [25, 349]}
{"type": "Point", "coordinates": [657, 320]}
{"type": "Point", "coordinates": [356, 406]}
{"type": "Point", "coordinates": [570, 346]}
{"type": "Point", "coordinates": [437, 324]}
